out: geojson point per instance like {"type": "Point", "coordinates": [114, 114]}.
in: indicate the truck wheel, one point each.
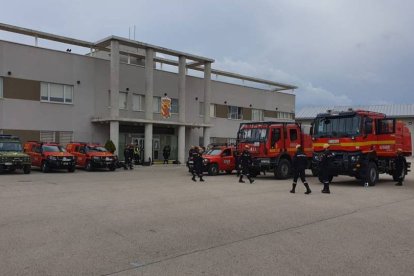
{"type": "Point", "coordinates": [26, 169]}
{"type": "Point", "coordinates": [213, 169]}
{"type": "Point", "coordinates": [71, 169]}
{"type": "Point", "coordinates": [283, 170]}
{"type": "Point", "coordinates": [45, 167]}
{"type": "Point", "coordinates": [372, 174]}
{"type": "Point", "coordinates": [229, 171]}
{"type": "Point", "coordinates": [112, 168]}
{"type": "Point", "coordinates": [88, 166]}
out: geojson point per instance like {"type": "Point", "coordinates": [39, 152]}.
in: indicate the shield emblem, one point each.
{"type": "Point", "coordinates": [166, 107]}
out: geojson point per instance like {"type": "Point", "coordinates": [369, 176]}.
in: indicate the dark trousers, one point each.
{"type": "Point", "coordinates": [299, 174]}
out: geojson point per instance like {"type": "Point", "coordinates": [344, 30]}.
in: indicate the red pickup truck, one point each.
{"type": "Point", "coordinates": [220, 159]}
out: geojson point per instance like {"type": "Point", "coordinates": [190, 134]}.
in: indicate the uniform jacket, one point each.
{"type": "Point", "coordinates": [300, 161]}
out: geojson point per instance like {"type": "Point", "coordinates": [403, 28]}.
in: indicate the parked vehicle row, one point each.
{"type": "Point", "coordinates": [52, 156]}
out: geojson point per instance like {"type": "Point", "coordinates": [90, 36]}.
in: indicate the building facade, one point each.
{"type": "Point", "coordinates": [115, 91]}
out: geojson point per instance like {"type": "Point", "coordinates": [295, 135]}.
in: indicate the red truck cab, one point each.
{"type": "Point", "coordinates": [91, 156]}
{"type": "Point", "coordinates": [50, 156]}
{"type": "Point", "coordinates": [220, 158]}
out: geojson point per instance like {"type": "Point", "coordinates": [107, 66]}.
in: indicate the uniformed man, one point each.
{"type": "Point", "coordinates": [299, 163]}
{"type": "Point", "coordinates": [197, 169]}
{"type": "Point", "coordinates": [136, 150]}
{"type": "Point", "coordinates": [245, 163]}
{"type": "Point", "coordinates": [400, 165]}
{"type": "Point", "coordinates": [324, 165]}
{"type": "Point", "coordinates": [166, 153]}
{"type": "Point", "coordinates": [128, 155]}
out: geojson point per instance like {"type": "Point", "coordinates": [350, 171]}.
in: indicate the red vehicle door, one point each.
{"type": "Point", "coordinates": [276, 144]}
{"type": "Point", "coordinates": [292, 139]}
{"type": "Point", "coordinates": [227, 160]}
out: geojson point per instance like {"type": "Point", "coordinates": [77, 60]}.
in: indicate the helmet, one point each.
{"type": "Point", "coordinates": [246, 146]}
{"type": "Point", "coordinates": [399, 150]}
{"type": "Point", "coordinates": [325, 146]}
{"type": "Point", "coordinates": [298, 146]}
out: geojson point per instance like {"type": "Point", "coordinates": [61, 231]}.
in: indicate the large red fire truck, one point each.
{"type": "Point", "coordinates": [364, 144]}
{"type": "Point", "coordinates": [272, 145]}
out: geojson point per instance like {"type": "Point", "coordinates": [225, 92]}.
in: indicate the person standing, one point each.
{"type": "Point", "coordinates": [246, 163]}
{"type": "Point", "coordinates": [198, 165]}
{"type": "Point", "coordinates": [166, 153]}
{"type": "Point", "coordinates": [300, 162]}
{"type": "Point", "coordinates": [400, 165]}
{"type": "Point", "coordinates": [324, 165]}
{"type": "Point", "coordinates": [128, 155]}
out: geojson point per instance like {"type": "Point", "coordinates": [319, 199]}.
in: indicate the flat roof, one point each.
{"type": "Point", "coordinates": [197, 64]}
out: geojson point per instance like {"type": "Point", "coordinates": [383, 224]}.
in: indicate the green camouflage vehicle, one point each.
{"type": "Point", "coordinates": [12, 156]}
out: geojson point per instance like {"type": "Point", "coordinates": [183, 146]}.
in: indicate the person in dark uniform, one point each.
{"type": "Point", "coordinates": [400, 165]}
{"type": "Point", "coordinates": [245, 162]}
{"type": "Point", "coordinates": [166, 153]}
{"type": "Point", "coordinates": [128, 155]}
{"type": "Point", "coordinates": [324, 165]}
{"type": "Point", "coordinates": [136, 151]}
{"type": "Point", "coordinates": [299, 163]}
{"type": "Point", "coordinates": [237, 161]}
{"type": "Point", "coordinates": [197, 169]}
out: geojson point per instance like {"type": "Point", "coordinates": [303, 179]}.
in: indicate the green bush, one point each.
{"type": "Point", "coordinates": [110, 146]}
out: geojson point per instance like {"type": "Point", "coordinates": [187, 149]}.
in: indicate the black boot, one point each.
{"type": "Point", "coordinates": [293, 188]}
{"type": "Point", "coordinates": [398, 184]}
{"type": "Point", "coordinates": [201, 179]}
{"type": "Point", "coordinates": [193, 178]}
{"type": "Point", "coordinates": [241, 179]}
{"type": "Point", "coordinates": [326, 189]}
{"type": "Point", "coordinates": [250, 179]}
{"type": "Point", "coordinates": [308, 190]}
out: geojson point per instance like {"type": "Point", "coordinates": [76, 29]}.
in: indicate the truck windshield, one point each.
{"type": "Point", "coordinates": [336, 127]}
{"type": "Point", "coordinates": [9, 146]}
{"type": "Point", "coordinates": [214, 152]}
{"type": "Point", "coordinates": [53, 149]}
{"type": "Point", "coordinates": [253, 134]}
{"type": "Point", "coordinates": [96, 149]}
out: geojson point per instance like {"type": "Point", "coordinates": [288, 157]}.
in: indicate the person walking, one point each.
{"type": "Point", "coordinates": [400, 165]}
{"type": "Point", "coordinates": [166, 153]}
{"type": "Point", "coordinates": [324, 165]}
{"type": "Point", "coordinates": [245, 163]}
{"type": "Point", "coordinates": [197, 169]}
{"type": "Point", "coordinates": [299, 163]}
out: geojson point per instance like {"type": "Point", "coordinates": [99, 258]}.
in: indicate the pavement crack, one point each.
{"type": "Point", "coordinates": [259, 235]}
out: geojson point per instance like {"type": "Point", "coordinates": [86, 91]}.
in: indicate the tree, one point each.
{"type": "Point", "coordinates": [110, 146]}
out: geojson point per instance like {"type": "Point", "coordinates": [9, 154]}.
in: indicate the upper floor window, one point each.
{"type": "Point", "coordinates": [56, 93]}
{"type": "Point", "coordinates": [174, 106]}
{"type": "Point", "coordinates": [257, 115]}
{"type": "Point", "coordinates": [122, 100]}
{"type": "Point", "coordinates": [1, 87]}
{"type": "Point", "coordinates": [235, 112]}
{"type": "Point", "coordinates": [212, 109]}
{"type": "Point", "coordinates": [156, 104]}
{"type": "Point", "coordinates": [138, 102]}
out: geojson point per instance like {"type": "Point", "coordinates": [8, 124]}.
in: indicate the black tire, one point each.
{"type": "Point", "coordinates": [229, 171]}
{"type": "Point", "coordinates": [26, 169]}
{"type": "Point", "coordinates": [71, 169]}
{"type": "Point", "coordinates": [88, 166]}
{"type": "Point", "coordinates": [112, 168]}
{"type": "Point", "coordinates": [372, 174]}
{"type": "Point", "coordinates": [283, 169]}
{"type": "Point", "coordinates": [213, 169]}
{"type": "Point", "coordinates": [45, 168]}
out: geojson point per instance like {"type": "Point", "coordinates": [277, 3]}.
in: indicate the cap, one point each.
{"type": "Point", "coordinates": [325, 146]}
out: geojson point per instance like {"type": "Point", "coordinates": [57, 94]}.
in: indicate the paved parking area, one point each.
{"type": "Point", "coordinates": [156, 221]}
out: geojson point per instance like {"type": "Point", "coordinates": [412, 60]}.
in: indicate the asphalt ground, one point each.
{"type": "Point", "coordinates": [156, 221]}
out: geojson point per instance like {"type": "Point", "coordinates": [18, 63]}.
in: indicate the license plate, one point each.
{"type": "Point", "coordinates": [8, 163]}
{"type": "Point", "coordinates": [108, 159]}
{"type": "Point", "coordinates": [65, 163]}
{"type": "Point", "coordinates": [65, 159]}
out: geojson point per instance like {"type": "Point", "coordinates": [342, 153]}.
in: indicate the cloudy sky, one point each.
{"type": "Point", "coordinates": [336, 51]}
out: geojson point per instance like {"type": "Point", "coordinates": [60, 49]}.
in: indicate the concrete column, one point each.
{"type": "Point", "coordinates": [148, 142]}
{"type": "Point", "coordinates": [207, 101]}
{"type": "Point", "coordinates": [149, 83]}
{"type": "Point", "coordinates": [181, 108]}
{"type": "Point", "coordinates": [114, 134]}
{"type": "Point", "coordinates": [114, 87]}
{"type": "Point", "coordinates": [149, 94]}
{"type": "Point", "coordinates": [181, 144]}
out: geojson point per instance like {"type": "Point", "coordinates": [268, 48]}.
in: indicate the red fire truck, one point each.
{"type": "Point", "coordinates": [272, 145]}
{"type": "Point", "coordinates": [364, 143]}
